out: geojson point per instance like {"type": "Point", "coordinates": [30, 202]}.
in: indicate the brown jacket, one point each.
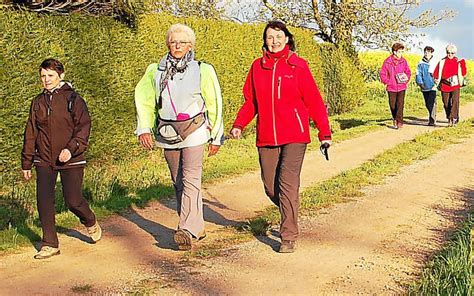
{"type": "Point", "coordinates": [51, 128]}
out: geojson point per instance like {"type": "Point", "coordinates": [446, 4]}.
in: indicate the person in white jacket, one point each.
{"type": "Point", "coordinates": [188, 96]}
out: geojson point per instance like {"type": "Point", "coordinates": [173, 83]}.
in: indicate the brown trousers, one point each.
{"type": "Point", "coordinates": [185, 166]}
{"type": "Point", "coordinates": [451, 104]}
{"type": "Point", "coordinates": [71, 180]}
{"type": "Point", "coordinates": [281, 168]}
{"type": "Point", "coordinates": [396, 101]}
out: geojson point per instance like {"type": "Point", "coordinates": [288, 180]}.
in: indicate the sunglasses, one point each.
{"type": "Point", "coordinates": [450, 52]}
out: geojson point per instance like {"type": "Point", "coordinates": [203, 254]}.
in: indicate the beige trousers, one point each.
{"type": "Point", "coordinates": [185, 166]}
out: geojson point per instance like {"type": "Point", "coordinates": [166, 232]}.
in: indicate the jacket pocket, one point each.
{"type": "Point", "coordinates": [299, 120]}
{"type": "Point", "coordinates": [279, 87]}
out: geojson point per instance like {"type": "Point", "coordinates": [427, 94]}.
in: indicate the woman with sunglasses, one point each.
{"type": "Point", "coordinates": [449, 76]}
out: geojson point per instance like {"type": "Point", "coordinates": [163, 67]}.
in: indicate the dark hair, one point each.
{"type": "Point", "coordinates": [428, 48]}
{"type": "Point", "coordinates": [52, 64]}
{"type": "Point", "coordinates": [396, 46]}
{"type": "Point", "coordinates": [279, 26]}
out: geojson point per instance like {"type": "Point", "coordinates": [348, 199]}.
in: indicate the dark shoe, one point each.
{"type": "Point", "coordinates": [287, 246]}
{"type": "Point", "coordinates": [46, 252]}
{"type": "Point", "coordinates": [183, 239]}
{"type": "Point", "coordinates": [431, 123]}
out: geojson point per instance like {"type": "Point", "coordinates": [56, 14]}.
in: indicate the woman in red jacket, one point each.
{"type": "Point", "coordinates": [449, 73]}
{"type": "Point", "coordinates": [281, 90]}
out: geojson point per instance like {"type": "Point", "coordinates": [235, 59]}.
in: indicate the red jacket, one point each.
{"type": "Point", "coordinates": [450, 69]}
{"type": "Point", "coordinates": [284, 95]}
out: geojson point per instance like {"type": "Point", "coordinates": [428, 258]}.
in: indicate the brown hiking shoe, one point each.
{"type": "Point", "coordinates": [46, 252]}
{"type": "Point", "coordinates": [183, 239]}
{"type": "Point", "coordinates": [95, 232]}
{"type": "Point", "coordinates": [287, 246]}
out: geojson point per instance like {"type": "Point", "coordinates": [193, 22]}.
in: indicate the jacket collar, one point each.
{"type": "Point", "coordinates": [63, 85]}
{"type": "Point", "coordinates": [292, 59]}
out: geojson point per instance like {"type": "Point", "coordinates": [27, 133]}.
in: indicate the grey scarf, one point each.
{"type": "Point", "coordinates": [173, 66]}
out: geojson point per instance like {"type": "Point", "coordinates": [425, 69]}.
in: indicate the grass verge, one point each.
{"type": "Point", "coordinates": [449, 272]}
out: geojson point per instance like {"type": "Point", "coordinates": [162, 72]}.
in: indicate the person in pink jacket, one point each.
{"type": "Point", "coordinates": [395, 74]}
{"type": "Point", "coordinates": [282, 93]}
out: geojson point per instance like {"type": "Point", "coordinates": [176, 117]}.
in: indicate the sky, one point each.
{"type": "Point", "coordinates": [459, 30]}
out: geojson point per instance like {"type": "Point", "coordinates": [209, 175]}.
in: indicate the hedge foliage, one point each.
{"type": "Point", "coordinates": [104, 60]}
{"type": "Point", "coordinates": [344, 86]}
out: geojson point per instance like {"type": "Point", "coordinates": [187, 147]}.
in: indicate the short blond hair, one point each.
{"type": "Point", "coordinates": [452, 48]}
{"type": "Point", "coordinates": [180, 28]}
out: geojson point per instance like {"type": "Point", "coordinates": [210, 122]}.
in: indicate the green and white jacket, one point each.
{"type": "Point", "coordinates": [194, 91]}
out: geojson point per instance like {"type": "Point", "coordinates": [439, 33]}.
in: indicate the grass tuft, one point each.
{"type": "Point", "coordinates": [82, 289]}
{"type": "Point", "coordinates": [449, 272]}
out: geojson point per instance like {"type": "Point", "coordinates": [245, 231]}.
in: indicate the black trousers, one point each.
{"type": "Point", "coordinates": [430, 103]}
{"type": "Point", "coordinates": [71, 180]}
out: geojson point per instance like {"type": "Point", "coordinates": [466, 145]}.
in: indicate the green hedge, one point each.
{"type": "Point", "coordinates": [99, 57]}
{"type": "Point", "coordinates": [344, 87]}
{"type": "Point", "coordinates": [104, 60]}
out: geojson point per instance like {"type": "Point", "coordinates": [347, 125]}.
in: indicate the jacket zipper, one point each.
{"type": "Point", "coordinates": [279, 84]}
{"type": "Point", "coordinates": [299, 120]}
{"type": "Point", "coordinates": [50, 111]}
{"type": "Point", "coordinates": [273, 103]}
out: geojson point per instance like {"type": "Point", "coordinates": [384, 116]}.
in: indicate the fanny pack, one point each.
{"type": "Point", "coordinates": [174, 131]}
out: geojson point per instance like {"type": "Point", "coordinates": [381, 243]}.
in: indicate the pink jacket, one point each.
{"type": "Point", "coordinates": [390, 68]}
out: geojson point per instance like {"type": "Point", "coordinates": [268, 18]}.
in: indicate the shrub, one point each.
{"type": "Point", "coordinates": [105, 59]}
{"type": "Point", "coordinates": [344, 84]}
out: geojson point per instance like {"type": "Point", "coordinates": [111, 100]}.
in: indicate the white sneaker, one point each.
{"type": "Point", "coordinates": [95, 232]}
{"type": "Point", "coordinates": [46, 252]}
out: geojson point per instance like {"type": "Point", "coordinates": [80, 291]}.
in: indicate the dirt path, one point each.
{"type": "Point", "coordinates": [138, 246]}
{"type": "Point", "coordinates": [366, 246]}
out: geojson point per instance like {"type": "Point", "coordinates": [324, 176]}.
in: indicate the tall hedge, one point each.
{"type": "Point", "coordinates": [104, 60]}
{"type": "Point", "coordinates": [344, 86]}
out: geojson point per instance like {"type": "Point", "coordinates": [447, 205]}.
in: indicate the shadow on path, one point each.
{"type": "Point", "coordinates": [162, 234]}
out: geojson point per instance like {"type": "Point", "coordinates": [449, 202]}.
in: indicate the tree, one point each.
{"type": "Point", "coordinates": [210, 9]}
{"type": "Point", "coordinates": [360, 23]}
{"type": "Point", "coordinates": [123, 10]}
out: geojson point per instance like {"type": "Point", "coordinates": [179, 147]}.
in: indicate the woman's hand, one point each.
{"type": "Point", "coordinates": [236, 133]}
{"type": "Point", "coordinates": [213, 149]}
{"type": "Point", "coordinates": [326, 143]}
{"type": "Point", "coordinates": [146, 141]}
{"type": "Point", "coordinates": [65, 155]}
{"type": "Point", "coordinates": [27, 174]}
